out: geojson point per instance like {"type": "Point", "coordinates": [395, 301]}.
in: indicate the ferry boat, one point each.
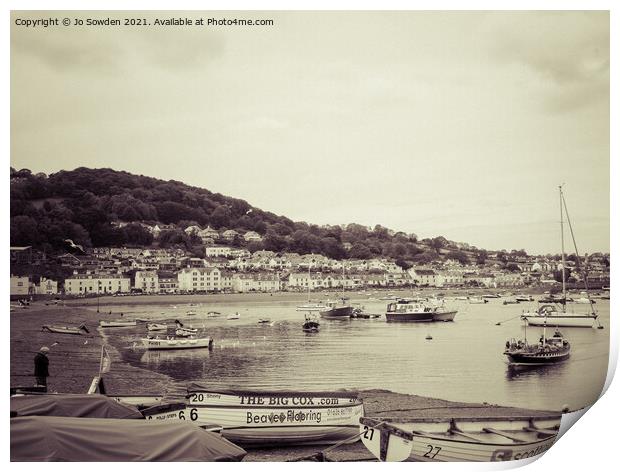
{"type": "Point", "coordinates": [414, 310]}
{"type": "Point", "coordinates": [548, 350]}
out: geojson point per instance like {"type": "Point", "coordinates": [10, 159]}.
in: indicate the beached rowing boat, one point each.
{"type": "Point", "coordinates": [462, 440]}
{"type": "Point", "coordinates": [270, 418]}
{"type": "Point", "coordinates": [116, 323]}
{"type": "Point", "coordinates": [175, 343]}
{"type": "Point", "coordinates": [64, 329]}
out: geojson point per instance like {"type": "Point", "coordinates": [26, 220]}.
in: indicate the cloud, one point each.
{"type": "Point", "coordinates": [564, 54]}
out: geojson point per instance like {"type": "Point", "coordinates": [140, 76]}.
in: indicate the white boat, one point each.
{"type": "Point", "coordinates": [64, 329]}
{"type": "Point", "coordinates": [477, 300]}
{"type": "Point", "coordinates": [233, 316]}
{"type": "Point", "coordinates": [264, 320]}
{"type": "Point", "coordinates": [548, 315]}
{"type": "Point", "coordinates": [270, 418]}
{"type": "Point", "coordinates": [312, 307]}
{"type": "Point", "coordinates": [174, 343]}
{"type": "Point", "coordinates": [417, 311]}
{"type": "Point", "coordinates": [117, 323]}
{"type": "Point", "coordinates": [524, 298]}
{"type": "Point", "coordinates": [460, 440]}
{"type": "Point", "coordinates": [185, 332]}
{"type": "Point", "coordinates": [190, 313]}
{"type": "Point", "coordinates": [556, 314]}
{"type": "Point", "coordinates": [156, 327]}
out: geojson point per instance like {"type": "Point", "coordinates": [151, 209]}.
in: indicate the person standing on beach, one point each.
{"type": "Point", "coordinates": [41, 364]}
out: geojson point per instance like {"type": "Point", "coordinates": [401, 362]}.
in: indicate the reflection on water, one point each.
{"type": "Point", "coordinates": [462, 362]}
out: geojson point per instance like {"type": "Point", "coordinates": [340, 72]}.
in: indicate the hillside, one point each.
{"type": "Point", "coordinates": [104, 207]}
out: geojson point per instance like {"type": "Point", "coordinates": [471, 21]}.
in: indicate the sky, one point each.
{"type": "Point", "coordinates": [460, 124]}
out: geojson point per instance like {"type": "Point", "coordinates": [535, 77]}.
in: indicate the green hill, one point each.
{"type": "Point", "coordinates": [86, 205]}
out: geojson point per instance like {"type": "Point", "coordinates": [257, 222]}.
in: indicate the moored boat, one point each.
{"type": "Point", "coordinates": [414, 310]}
{"type": "Point", "coordinates": [117, 323]}
{"type": "Point", "coordinates": [337, 311]}
{"type": "Point", "coordinates": [555, 314]}
{"type": "Point", "coordinates": [271, 418]}
{"type": "Point", "coordinates": [65, 329]}
{"type": "Point", "coordinates": [264, 320]}
{"type": "Point", "coordinates": [233, 316]}
{"type": "Point", "coordinates": [477, 300]}
{"type": "Point", "coordinates": [460, 440]}
{"type": "Point", "coordinates": [311, 324]}
{"type": "Point", "coordinates": [312, 307]}
{"type": "Point", "coordinates": [548, 350]}
{"type": "Point", "coordinates": [175, 343]}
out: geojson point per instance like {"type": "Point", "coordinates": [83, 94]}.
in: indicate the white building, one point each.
{"type": "Point", "coordinates": [147, 281]}
{"type": "Point", "coordinates": [97, 284]}
{"type": "Point", "coordinates": [252, 236]}
{"type": "Point", "coordinates": [218, 251]}
{"type": "Point", "coordinates": [256, 283]}
{"type": "Point", "coordinates": [47, 287]}
{"type": "Point", "coordinates": [200, 279]}
{"type": "Point", "coordinates": [20, 285]}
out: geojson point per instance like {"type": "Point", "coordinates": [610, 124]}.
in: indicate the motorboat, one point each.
{"type": "Point", "coordinates": [415, 310]}
{"type": "Point", "coordinates": [311, 324]}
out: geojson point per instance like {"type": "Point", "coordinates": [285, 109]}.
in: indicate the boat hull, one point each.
{"type": "Point", "coordinates": [117, 324]}
{"type": "Point", "coordinates": [566, 321]}
{"type": "Point", "coordinates": [533, 359]}
{"type": "Point", "coordinates": [470, 440]}
{"type": "Point", "coordinates": [340, 312]}
{"type": "Point", "coordinates": [161, 344]}
{"type": "Point", "coordinates": [444, 316]}
{"type": "Point", "coordinates": [272, 419]}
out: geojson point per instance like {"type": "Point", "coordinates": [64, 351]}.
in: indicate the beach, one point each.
{"type": "Point", "coordinates": [74, 361]}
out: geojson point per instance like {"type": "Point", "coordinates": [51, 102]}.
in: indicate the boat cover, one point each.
{"type": "Point", "coordinates": [51, 438]}
{"type": "Point", "coordinates": [81, 405]}
{"type": "Point", "coordinates": [198, 387]}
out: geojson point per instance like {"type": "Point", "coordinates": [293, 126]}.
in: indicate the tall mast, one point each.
{"type": "Point", "coordinates": [563, 255]}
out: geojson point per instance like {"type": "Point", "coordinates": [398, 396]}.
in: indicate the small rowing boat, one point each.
{"type": "Point", "coordinates": [156, 327]}
{"type": "Point", "coordinates": [116, 323]}
{"type": "Point", "coordinates": [270, 418]}
{"type": "Point", "coordinates": [65, 329]}
{"type": "Point", "coordinates": [233, 316]}
{"type": "Point", "coordinates": [174, 343]}
{"type": "Point", "coordinates": [264, 320]}
{"type": "Point", "coordinates": [185, 332]}
{"type": "Point", "coordinates": [462, 440]}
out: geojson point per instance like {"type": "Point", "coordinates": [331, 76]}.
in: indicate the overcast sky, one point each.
{"type": "Point", "coordinates": [437, 123]}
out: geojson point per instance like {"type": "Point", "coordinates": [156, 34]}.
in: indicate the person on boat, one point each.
{"type": "Point", "coordinates": [41, 366]}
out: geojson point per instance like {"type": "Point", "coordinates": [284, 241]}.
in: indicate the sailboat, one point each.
{"type": "Point", "coordinates": [548, 350]}
{"type": "Point", "coordinates": [556, 314]}
{"type": "Point", "coordinates": [336, 310]}
{"type": "Point", "coordinates": [310, 306]}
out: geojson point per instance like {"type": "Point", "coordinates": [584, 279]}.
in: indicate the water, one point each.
{"type": "Point", "coordinates": [463, 361]}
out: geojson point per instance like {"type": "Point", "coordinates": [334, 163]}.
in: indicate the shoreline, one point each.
{"type": "Point", "coordinates": [74, 361]}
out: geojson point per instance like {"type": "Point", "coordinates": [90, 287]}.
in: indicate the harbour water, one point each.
{"type": "Point", "coordinates": [462, 362]}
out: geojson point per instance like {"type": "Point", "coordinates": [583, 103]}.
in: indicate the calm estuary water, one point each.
{"type": "Point", "coordinates": [463, 361]}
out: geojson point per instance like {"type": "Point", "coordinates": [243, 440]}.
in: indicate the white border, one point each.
{"type": "Point", "coordinates": [592, 444]}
